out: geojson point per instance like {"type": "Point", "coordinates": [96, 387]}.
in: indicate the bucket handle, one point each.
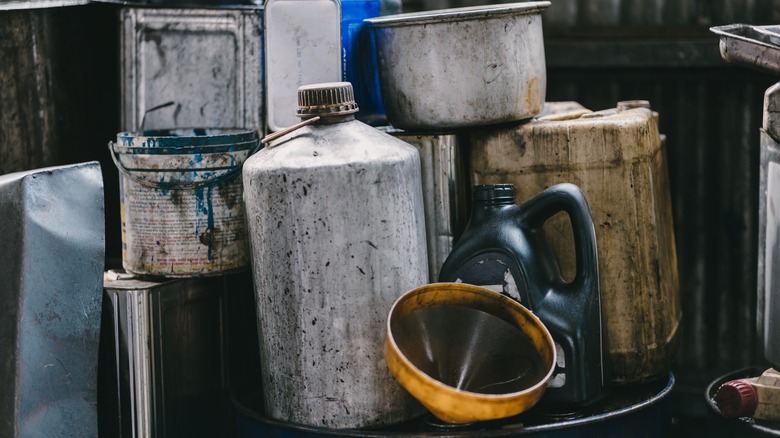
{"type": "Point", "coordinates": [181, 184]}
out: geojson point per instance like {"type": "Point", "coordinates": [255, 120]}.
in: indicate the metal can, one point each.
{"type": "Point", "coordinates": [768, 299]}
{"type": "Point", "coordinates": [181, 200]}
{"type": "Point", "coordinates": [336, 224]}
{"type": "Point", "coordinates": [206, 62]}
{"type": "Point", "coordinates": [171, 350]}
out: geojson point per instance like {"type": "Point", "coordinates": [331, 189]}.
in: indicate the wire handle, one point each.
{"type": "Point", "coordinates": [179, 184]}
{"type": "Point", "coordinates": [271, 137]}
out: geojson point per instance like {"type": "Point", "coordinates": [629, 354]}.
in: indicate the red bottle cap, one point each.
{"type": "Point", "coordinates": [736, 398]}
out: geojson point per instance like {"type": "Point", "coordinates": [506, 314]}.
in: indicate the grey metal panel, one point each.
{"type": "Point", "coordinates": [768, 292]}
{"type": "Point", "coordinates": [207, 61]}
{"type": "Point", "coordinates": [53, 256]}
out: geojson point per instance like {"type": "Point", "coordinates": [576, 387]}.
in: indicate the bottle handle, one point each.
{"type": "Point", "coordinates": [568, 198]}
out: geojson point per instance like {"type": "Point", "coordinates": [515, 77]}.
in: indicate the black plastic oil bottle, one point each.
{"type": "Point", "coordinates": [504, 248]}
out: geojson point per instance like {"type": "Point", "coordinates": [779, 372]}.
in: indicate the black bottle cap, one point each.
{"type": "Point", "coordinates": [494, 194]}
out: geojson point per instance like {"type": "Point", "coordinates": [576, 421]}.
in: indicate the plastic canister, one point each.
{"type": "Point", "coordinates": [302, 46]}
{"type": "Point", "coordinates": [617, 158]}
{"type": "Point", "coordinates": [503, 248]}
{"type": "Point", "coordinates": [359, 64]}
{"type": "Point", "coordinates": [337, 234]}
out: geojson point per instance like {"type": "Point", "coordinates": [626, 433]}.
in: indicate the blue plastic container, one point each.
{"type": "Point", "coordinates": [358, 59]}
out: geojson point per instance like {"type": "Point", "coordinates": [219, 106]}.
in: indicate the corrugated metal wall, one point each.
{"type": "Point", "coordinates": [662, 51]}
{"type": "Point", "coordinates": [566, 13]}
{"type": "Point", "coordinates": [26, 108]}
{"type": "Point", "coordinates": [711, 120]}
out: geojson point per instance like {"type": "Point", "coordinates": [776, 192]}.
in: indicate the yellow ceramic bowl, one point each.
{"type": "Point", "coordinates": [467, 353]}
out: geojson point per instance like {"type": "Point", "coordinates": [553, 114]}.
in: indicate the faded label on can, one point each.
{"type": "Point", "coordinates": [183, 232]}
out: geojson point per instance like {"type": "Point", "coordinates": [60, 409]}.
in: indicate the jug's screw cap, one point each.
{"type": "Point", "coordinates": [736, 398]}
{"type": "Point", "coordinates": [494, 194]}
{"type": "Point", "coordinates": [326, 99]}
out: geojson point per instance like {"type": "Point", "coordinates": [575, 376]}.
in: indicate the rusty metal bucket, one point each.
{"type": "Point", "coordinates": [181, 200]}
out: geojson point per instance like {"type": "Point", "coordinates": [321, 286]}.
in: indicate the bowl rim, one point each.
{"type": "Point", "coordinates": [483, 292]}
{"type": "Point", "coordinates": [458, 14]}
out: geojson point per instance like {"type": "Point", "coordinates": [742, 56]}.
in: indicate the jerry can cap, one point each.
{"type": "Point", "coordinates": [326, 99]}
{"type": "Point", "coordinates": [736, 398]}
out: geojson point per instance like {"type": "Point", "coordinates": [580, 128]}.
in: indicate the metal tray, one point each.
{"type": "Point", "coordinates": [756, 47]}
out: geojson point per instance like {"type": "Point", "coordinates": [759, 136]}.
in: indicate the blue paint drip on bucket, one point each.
{"type": "Point", "coordinates": [168, 181]}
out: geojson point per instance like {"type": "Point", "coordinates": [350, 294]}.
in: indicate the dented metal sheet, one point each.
{"type": "Point", "coordinates": [53, 259]}
{"type": "Point", "coordinates": [206, 61]}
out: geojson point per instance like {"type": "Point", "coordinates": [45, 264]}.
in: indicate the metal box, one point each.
{"type": "Point", "coordinates": [208, 62]}
{"type": "Point", "coordinates": [52, 255]}
{"type": "Point", "coordinates": [172, 343]}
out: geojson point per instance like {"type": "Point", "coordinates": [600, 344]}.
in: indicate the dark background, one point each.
{"type": "Point", "coordinates": [59, 104]}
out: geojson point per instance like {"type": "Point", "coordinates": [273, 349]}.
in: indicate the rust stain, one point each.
{"type": "Point", "coordinates": [532, 95]}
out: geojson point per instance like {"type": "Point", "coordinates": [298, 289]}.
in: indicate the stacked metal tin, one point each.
{"type": "Point", "coordinates": [181, 321]}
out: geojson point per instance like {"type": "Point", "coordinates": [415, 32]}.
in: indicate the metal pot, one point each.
{"type": "Point", "coordinates": [462, 67]}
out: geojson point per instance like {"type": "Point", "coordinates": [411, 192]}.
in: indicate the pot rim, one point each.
{"type": "Point", "coordinates": [458, 14]}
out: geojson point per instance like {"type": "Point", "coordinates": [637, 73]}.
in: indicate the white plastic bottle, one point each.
{"type": "Point", "coordinates": [336, 222]}
{"type": "Point", "coordinates": [302, 46]}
